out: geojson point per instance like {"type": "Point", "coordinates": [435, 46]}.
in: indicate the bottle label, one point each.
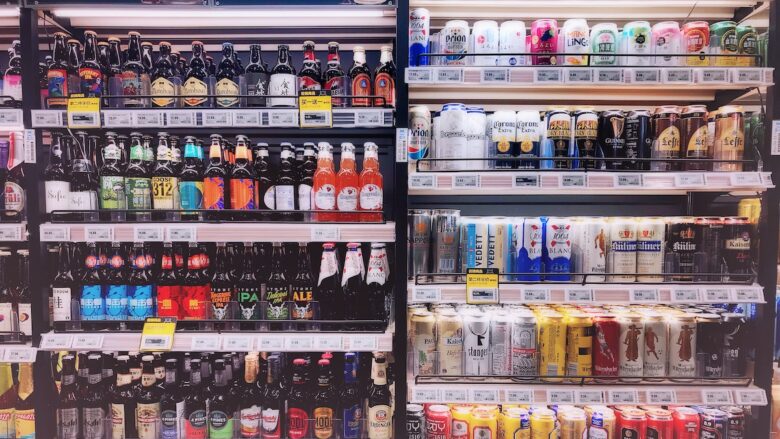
{"type": "Point", "coordinates": [58, 86]}
{"type": "Point", "coordinates": [61, 305]}
{"type": "Point", "coordinates": [84, 200]}
{"type": "Point", "coordinates": [351, 422]}
{"type": "Point", "coordinates": [242, 194]}
{"type": "Point", "coordinates": [297, 423]}
{"type": "Point", "coordinates": [328, 266]}
{"type": "Point", "coordinates": [220, 425]}
{"type": "Point", "coordinates": [220, 301]}
{"type": "Point", "coordinates": [139, 193]}
{"type": "Point", "coordinates": [163, 87]}
{"type": "Point", "coordinates": [256, 85]}
{"type": "Point", "coordinates": [92, 305]}
{"type": "Point", "coordinates": [248, 298]}
{"type": "Point", "coordinates": [214, 193]}
{"type": "Point", "coordinates": [352, 267]}
{"type": "Point", "coordinates": [282, 84]}
{"type": "Point", "coordinates": [57, 195]}
{"type": "Point", "coordinates": [250, 422]}
{"type": "Point", "coordinates": [325, 198]}
{"type": "Point", "coordinates": [302, 297]}
{"type": "Point", "coordinates": [227, 93]}
{"type": "Point", "coordinates": [196, 425]}
{"type": "Point", "coordinates": [91, 82]}
{"type": "Point", "coordinates": [6, 312]}
{"type": "Point", "coordinates": [94, 422]}
{"type": "Point", "coordinates": [168, 297]}
{"type": "Point", "coordinates": [12, 86]}
{"type": "Point", "coordinates": [191, 194]}
{"type": "Point", "coordinates": [164, 192]}
{"type": "Point", "coordinates": [285, 197]}
{"type": "Point", "coordinates": [269, 198]}
{"type": "Point", "coordinates": [376, 273]}
{"type": "Point", "coordinates": [338, 87]}
{"type": "Point", "coordinates": [194, 301]}
{"type": "Point", "coordinates": [304, 197]}
{"type": "Point", "coordinates": [194, 91]}
{"type": "Point", "coordinates": [147, 417]}
{"type": "Point", "coordinates": [169, 424]}
{"type": "Point", "coordinates": [14, 196]}
{"type": "Point", "coordinates": [323, 422]}
{"type": "Point", "coordinates": [112, 192]}
{"type": "Point", "coordinates": [67, 423]}
{"type": "Point", "coordinates": [361, 86]}
{"type": "Point", "coordinates": [25, 318]}
{"type": "Point", "coordinates": [140, 303]}
{"type": "Point", "coordinates": [116, 302]}
{"type": "Point", "coordinates": [347, 198]}
{"type": "Point", "coordinates": [384, 86]}
{"type": "Point", "coordinates": [379, 422]}
{"type": "Point", "coordinates": [308, 83]}
{"type": "Point", "coordinates": [24, 421]}
{"type": "Point", "coordinates": [270, 425]}
{"type": "Point", "coordinates": [277, 306]}
{"type": "Point", "coordinates": [371, 197]}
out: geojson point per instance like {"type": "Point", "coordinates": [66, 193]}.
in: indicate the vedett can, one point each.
{"type": "Point", "coordinates": [501, 343]}
{"type": "Point", "coordinates": [556, 254]}
{"type": "Point", "coordinates": [476, 343]}
{"type": "Point", "coordinates": [528, 134]}
{"type": "Point", "coordinates": [656, 345]}
{"type": "Point", "coordinates": [419, 36]}
{"type": "Point", "coordinates": [639, 139]}
{"type": "Point", "coordinates": [622, 250]}
{"type": "Point", "coordinates": [445, 225]}
{"type": "Point", "coordinates": [606, 346]}
{"type": "Point", "coordinates": [524, 347]}
{"type": "Point", "coordinates": [419, 136]}
{"type": "Point", "coordinates": [682, 346]}
{"type": "Point", "coordinates": [696, 40]}
{"type": "Point", "coordinates": [632, 348]}
{"type": "Point", "coordinates": [499, 244]}
{"type": "Point", "coordinates": [455, 42]}
{"type": "Point", "coordinates": [528, 234]}
{"type": "Point", "coordinates": [473, 243]}
{"type": "Point", "coordinates": [415, 421]}
{"type": "Point", "coordinates": [419, 242]}
{"type": "Point", "coordinates": [650, 249]}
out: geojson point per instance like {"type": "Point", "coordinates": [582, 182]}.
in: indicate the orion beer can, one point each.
{"type": "Point", "coordinates": [455, 42]}
{"type": "Point", "coordinates": [476, 343]}
{"type": "Point", "coordinates": [445, 225]}
{"type": "Point", "coordinates": [419, 244]}
{"type": "Point", "coordinates": [524, 348]}
{"type": "Point", "coordinates": [419, 136]}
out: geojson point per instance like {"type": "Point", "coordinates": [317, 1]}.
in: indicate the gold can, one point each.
{"type": "Point", "coordinates": [543, 424]}
{"type": "Point", "coordinates": [449, 342]}
{"type": "Point", "coordinates": [423, 342]}
{"type": "Point", "coordinates": [729, 142]}
{"type": "Point", "coordinates": [484, 422]}
{"type": "Point", "coordinates": [514, 423]}
{"type": "Point", "coordinates": [601, 422]}
{"type": "Point", "coordinates": [552, 344]}
{"type": "Point", "coordinates": [573, 423]}
{"type": "Point", "coordinates": [750, 208]}
{"type": "Point", "coordinates": [579, 345]}
{"type": "Point", "coordinates": [461, 421]}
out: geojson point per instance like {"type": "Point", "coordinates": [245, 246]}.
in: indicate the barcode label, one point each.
{"type": "Point", "coordinates": [270, 343]}
{"type": "Point", "coordinates": [425, 395]}
{"type": "Point", "coordinates": [181, 119]}
{"type": "Point", "coordinates": [548, 76]}
{"type": "Point", "coordinates": [11, 118]}
{"type": "Point", "coordinates": [661, 396]}
{"type": "Point", "coordinates": [283, 119]}
{"type": "Point", "coordinates": [216, 118]}
{"type": "Point", "coordinates": [689, 180]}
{"type": "Point", "coordinates": [205, 343]}
{"type": "Point", "coordinates": [678, 76]}
{"type": "Point", "coordinates": [148, 119]}
{"type": "Point", "coordinates": [117, 119]}
{"type": "Point", "coordinates": [494, 76]}
{"type": "Point", "coordinates": [401, 145]}
{"type": "Point", "coordinates": [421, 181]}
{"type": "Point", "coordinates": [414, 75]}
{"type": "Point", "coordinates": [312, 119]}
{"type": "Point", "coordinates": [718, 295]}
{"type": "Point", "coordinates": [590, 397]}
{"type": "Point", "coordinates": [182, 234]}
{"type": "Point", "coordinates": [749, 76]}
{"type": "Point", "coordinates": [519, 396]}
{"type": "Point", "coordinates": [628, 180]}
{"type": "Point", "coordinates": [685, 295]}
{"type": "Point", "coordinates": [536, 295]}
{"type": "Point", "coordinates": [739, 179]}
{"type": "Point", "coordinates": [246, 118]}
{"type": "Point", "coordinates": [751, 397]}
{"type": "Point", "coordinates": [361, 343]}
{"type": "Point", "coordinates": [622, 397]}
{"type": "Point", "coordinates": [298, 343]}
{"type": "Point", "coordinates": [484, 396]}
{"type": "Point", "coordinates": [714, 75]}
{"type": "Point", "coordinates": [609, 76]}
{"type": "Point", "coordinates": [525, 181]}
{"type": "Point", "coordinates": [449, 75]}
{"type": "Point", "coordinates": [30, 146]}
{"type": "Point", "coordinates": [323, 233]}
{"type": "Point", "coordinates": [11, 233]}
{"type": "Point", "coordinates": [573, 180]}
{"type": "Point", "coordinates": [646, 76]}
{"type": "Point", "coordinates": [579, 75]}
{"type": "Point", "coordinates": [155, 342]}
{"type": "Point", "coordinates": [466, 181]}
{"type": "Point", "coordinates": [87, 342]}
{"type": "Point", "coordinates": [329, 343]}
{"type": "Point", "coordinates": [369, 118]}
{"type": "Point", "coordinates": [426, 294]}
{"type": "Point", "coordinates": [455, 396]}
{"type": "Point", "coordinates": [148, 234]}
{"type": "Point", "coordinates": [749, 295]}
{"type": "Point", "coordinates": [19, 355]}
{"type": "Point", "coordinates": [579, 295]}
{"type": "Point", "coordinates": [560, 397]}
{"type": "Point", "coordinates": [716, 396]}
{"type": "Point", "coordinates": [98, 233]}
{"type": "Point", "coordinates": [237, 343]}
{"type": "Point", "coordinates": [46, 118]}
{"type": "Point", "coordinates": [56, 341]}
{"type": "Point", "coordinates": [644, 295]}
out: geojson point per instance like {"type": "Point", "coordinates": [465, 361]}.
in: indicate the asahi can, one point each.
{"type": "Point", "coordinates": [622, 250]}
{"type": "Point", "coordinates": [445, 225]}
{"type": "Point", "coordinates": [696, 40]}
{"type": "Point", "coordinates": [636, 40]}
{"type": "Point", "coordinates": [528, 134]}
{"type": "Point", "coordinates": [586, 128]}
{"type": "Point", "coordinates": [693, 137]}
{"type": "Point", "coordinates": [656, 345]}
{"type": "Point", "coordinates": [729, 143]}
{"type": "Point", "coordinates": [543, 424]}
{"type": "Point", "coordinates": [660, 424]}
{"type": "Point", "coordinates": [579, 345]}
{"type": "Point", "coordinates": [424, 342]}
{"type": "Point", "coordinates": [485, 36]}
{"type": "Point", "coordinates": [606, 346]}
{"type": "Point", "coordinates": [632, 349]}
{"type": "Point", "coordinates": [476, 343]}
{"type": "Point", "coordinates": [552, 344]}
{"type": "Point", "coordinates": [666, 138]}
{"type": "Point", "coordinates": [514, 423]}
{"type": "Point", "coordinates": [747, 46]}
{"type": "Point", "coordinates": [682, 346]}
{"type": "Point", "coordinates": [454, 41]}
{"type": "Point", "coordinates": [501, 343]}
{"type": "Point", "coordinates": [737, 424]}
{"type": "Point", "coordinates": [419, 137]}
{"type": "Point", "coordinates": [415, 421]}
{"type": "Point", "coordinates": [650, 250]}
{"type": "Point", "coordinates": [573, 423]}
{"type": "Point", "coordinates": [612, 138]}
{"type": "Point", "coordinates": [511, 41]}
{"type": "Point", "coordinates": [503, 134]}
{"type": "Point", "coordinates": [556, 252]}
{"type": "Point", "coordinates": [544, 40]}
{"type": "Point", "coordinates": [714, 423]}
{"type": "Point", "coordinates": [709, 345]}
{"type": "Point", "coordinates": [524, 346]}
{"type": "Point", "coordinates": [528, 234]}
{"type": "Point", "coordinates": [558, 122]}
{"type": "Point", "coordinates": [682, 245]}
{"type": "Point", "coordinates": [438, 422]}
{"type": "Point", "coordinates": [449, 342]}
{"type": "Point", "coordinates": [419, 36]}
{"type": "Point", "coordinates": [419, 242]}
{"type": "Point", "coordinates": [723, 41]}
{"type": "Point", "coordinates": [639, 139]}
{"type": "Point", "coordinates": [604, 44]}
{"type": "Point", "coordinates": [590, 249]}
{"type": "Point", "coordinates": [667, 39]}
{"type": "Point", "coordinates": [576, 39]}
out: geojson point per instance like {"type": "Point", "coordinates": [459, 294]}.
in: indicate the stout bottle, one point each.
{"type": "Point", "coordinates": [165, 80]}
{"type": "Point", "coordinates": [328, 292]}
{"type": "Point", "coordinates": [227, 88]}
{"type": "Point", "coordinates": [148, 402]}
{"type": "Point", "coordinates": [195, 89]}
{"type": "Point", "coordinates": [222, 407]}
{"type": "Point", "coordinates": [195, 419]}
{"type": "Point", "coordinates": [90, 73]}
{"type": "Point", "coordinates": [68, 416]}
{"type": "Point", "coordinates": [334, 78]}
{"type": "Point", "coordinates": [135, 79]}
{"type": "Point", "coordinates": [123, 402]}
{"type": "Point", "coordinates": [57, 75]}
{"type": "Point", "coordinates": [256, 77]}
{"type": "Point", "coordinates": [282, 81]}
{"type": "Point", "coordinates": [74, 62]}
{"type": "Point", "coordinates": [93, 406]}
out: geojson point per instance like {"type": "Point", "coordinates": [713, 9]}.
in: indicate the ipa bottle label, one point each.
{"type": "Point", "coordinates": [164, 192]}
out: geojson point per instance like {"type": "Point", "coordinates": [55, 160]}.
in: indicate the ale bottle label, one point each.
{"type": "Point", "coordinates": [67, 423]}
{"type": "Point", "coordinates": [304, 197]}
{"type": "Point", "coordinates": [139, 193]}
{"type": "Point", "coordinates": [164, 192]}
{"type": "Point", "coordinates": [270, 198]}
{"type": "Point", "coordinates": [61, 303]}
{"type": "Point", "coordinates": [112, 192]}
{"type": "Point", "coordinates": [163, 87]}
{"type": "Point", "coordinates": [323, 422]}
{"type": "Point", "coordinates": [371, 197]}
{"type": "Point", "coordinates": [284, 197]}
{"type": "Point", "coordinates": [195, 92]}
{"type": "Point", "coordinates": [220, 300]}
{"type": "Point", "coordinates": [302, 296]}
{"type": "Point", "coordinates": [248, 298]}
{"type": "Point", "coordinates": [195, 426]}
{"type": "Point", "coordinates": [220, 425]}
{"type": "Point", "coordinates": [384, 87]}
{"type": "Point", "coordinates": [94, 422]}
{"type": "Point", "coordinates": [168, 300]}
{"type": "Point", "coordinates": [379, 424]}
{"type": "Point", "coordinates": [57, 193]}
{"type": "Point", "coordinates": [281, 84]}
{"type": "Point", "coordinates": [270, 424]}
{"type": "Point", "coordinates": [297, 423]}
{"type": "Point", "coordinates": [277, 307]}
{"type": "Point", "coordinates": [347, 198]}
{"type": "Point", "coordinates": [91, 81]}
{"type": "Point", "coordinates": [169, 424]}
{"type": "Point", "coordinates": [242, 194]}
{"type": "Point", "coordinates": [325, 197]}
{"type": "Point", "coordinates": [14, 196]}
{"type": "Point", "coordinates": [214, 193]}
{"type": "Point", "coordinates": [147, 417]}
{"type": "Point", "coordinates": [191, 194]}
{"type": "Point", "coordinates": [24, 423]}
{"type": "Point", "coordinates": [227, 93]}
{"type": "Point", "coordinates": [361, 86]}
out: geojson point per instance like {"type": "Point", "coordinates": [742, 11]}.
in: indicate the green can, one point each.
{"type": "Point", "coordinates": [723, 41]}
{"type": "Point", "coordinates": [747, 44]}
{"type": "Point", "coordinates": [763, 47]}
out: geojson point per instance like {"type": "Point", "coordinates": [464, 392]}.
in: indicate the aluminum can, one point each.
{"type": "Point", "coordinates": [682, 346]}
{"type": "Point", "coordinates": [486, 40]}
{"type": "Point", "coordinates": [750, 208]}
{"type": "Point", "coordinates": [660, 424]}
{"type": "Point", "coordinates": [543, 424]}
{"type": "Point", "coordinates": [667, 39]}
{"type": "Point", "coordinates": [737, 423]}
{"type": "Point", "coordinates": [696, 40]}
{"type": "Point", "coordinates": [710, 250]}
{"type": "Point", "coordinates": [650, 249]}
{"type": "Point", "coordinates": [511, 40]}
{"type": "Point", "coordinates": [687, 424]}
{"type": "Point", "coordinates": [639, 139]}
{"type": "Point", "coordinates": [552, 344]}
{"type": "Point", "coordinates": [473, 243]}
{"type": "Point", "coordinates": [454, 41]}
{"type": "Point", "coordinates": [449, 342]}
{"type": "Point", "coordinates": [558, 124]}
{"type": "Point", "coordinates": [438, 422]}
{"type": "Point", "coordinates": [419, 136]}
{"type": "Point", "coordinates": [606, 346]}
{"type": "Point", "coordinates": [576, 39]}
{"type": "Point", "coordinates": [524, 347]}
{"type": "Point", "coordinates": [501, 343]}
{"type": "Point", "coordinates": [590, 248]}
{"type": "Point", "coordinates": [415, 421]}
{"type": "Point", "coordinates": [737, 240]}
{"type": "Point", "coordinates": [500, 245]}
{"type": "Point", "coordinates": [419, 36]}
{"type": "Point", "coordinates": [735, 344]}
{"type": "Point", "coordinates": [632, 350]}
{"type": "Point", "coordinates": [683, 242]}
{"type": "Point", "coordinates": [656, 345]}
{"type": "Point", "coordinates": [528, 136]}
{"type": "Point", "coordinates": [451, 138]}
{"type": "Point", "coordinates": [419, 242]}
{"type": "Point", "coordinates": [631, 423]}
{"type": "Point", "coordinates": [424, 342]}
{"type": "Point", "coordinates": [579, 345]}
{"type": "Point", "coordinates": [528, 235]}
{"type": "Point", "coordinates": [604, 43]}
{"type": "Point", "coordinates": [476, 139]}
{"type": "Point", "coordinates": [602, 423]}
{"type": "Point", "coordinates": [622, 250]}
{"type": "Point", "coordinates": [636, 40]}
{"type": "Point", "coordinates": [729, 142]}
{"type": "Point", "coordinates": [544, 40]}
{"type": "Point", "coordinates": [666, 138]}
{"type": "Point", "coordinates": [723, 41]}
{"type": "Point", "coordinates": [484, 422]}
{"type": "Point", "coordinates": [476, 343]}
{"type": "Point", "coordinates": [514, 423]}
{"type": "Point", "coordinates": [461, 421]}
{"type": "Point", "coordinates": [693, 137]}
{"type": "Point", "coordinates": [612, 138]}
{"type": "Point", "coordinates": [709, 345]}
{"type": "Point", "coordinates": [711, 130]}
{"type": "Point", "coordinates": [573, 423]}
{"type": "Point", "coordinates": [556, 252]}
{"type": "Point", "coordinates": [503, 135]}
{"type": "Point", "coordinates": [446, 230]}
{"type": "Point", "coordinates": [714, 423]}
{"type": "Point", "coordinates": [586, 129]}
{"type": "Point", "coordinates": [747, 45]}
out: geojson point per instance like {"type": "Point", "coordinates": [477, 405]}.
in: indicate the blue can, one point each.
{"type": "Point", "coordinates": [528, 248]}
{"type": "Point", "coordinates": [556, 252]}
{"type": "Point", "coordinates": [419, 36]}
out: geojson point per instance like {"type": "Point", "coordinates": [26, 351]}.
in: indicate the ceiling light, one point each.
{"type": "Point", "coordinates": [154, 12]}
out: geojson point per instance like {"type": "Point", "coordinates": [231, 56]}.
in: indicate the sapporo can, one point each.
{"type": "Point", "coordinates": [687, 424]}
{"type": "Point", "coordinates": [461, 421]}
{"type": "Point", "coordinates": [632, 347]}
{"type": "Point", "coordinates": [660, 424]}
{"type": "Point", "coordinates": [737, 248]}
{"type": "Point", "coordinates": [484, 422]}
{"type": "Point", "coordinates": [631, 423]}
{"type": "Point", "coordinates": [419, 242]}
{"type": "Point", "coordinates": [667, 137]}
{"type": "Point", "coordinates": [729, 142]}
{"type": "Point", "coordinates": [622, 250]}
{"type": "Point", "coordinates": [573, 423]}
{"type": "Point", "coordinates": [579, 343]}
{"type": "Point", "coordinates": [723, 41]}
{"type": "Point", "coordinates": [424, 342]}
{"type": "Point", "coordinates": [552, 344]}
{"type": "Point", "coordinates": [602, 423]}
{"type": "Point", "coordinates": [737, 423]}
{"type": "Point", "coordinates": [419, 136]}
{"type": "Point", "coordinates": [696, 40]}
{"type": "Point", "coordinates": [449, 342]}
{"type": "Point", "coordinates": [713, 424]}
{"type": "Point", "coordinates": [693, 137]}
{"type": "Point", "coordinates": [438, 422]}
{"type": "Point", "coordinates": [747, 46]}
{"type": "Point", "coordinates": [445, 225]}
{"type": "Point", "coordinates": [606, 346]}
{"type": "Point", "coordinates": [656, 345]}
{"type": "Point", "coordinates": [501, 343]}
{"type": "Point", "coordinates": [514, 423]}
{"type": "Point", "coordinates": [415, 421]}
{"type": "Point", "coordinates": [543, 424]}
{"type": "Point", "coordinates": [651, 233]}
{"type": "Point", "coordinates": [524, 346]}
{"type": "Point", "coordinates": [682, 346]}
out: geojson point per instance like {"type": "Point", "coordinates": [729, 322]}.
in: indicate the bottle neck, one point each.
{"type": "Point", "coordinates": [284, 56]}
{"type": "Point", "coordinates": [134, 49]}
{"type": "Point", "coordinates": [380, 377]}
{"type": "Point", "coordinates": [255, 54]}
{"type": "Point", "coordinates": [359, 57]}
{"type": "Point", "coordinates": [386, 57]}
{"type": "Point", "coordinates": [90, 52]}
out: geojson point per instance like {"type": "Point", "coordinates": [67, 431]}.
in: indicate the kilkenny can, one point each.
{"type": "Point", "coordinates": [660, 424]}
{"type": "Point", "coordinates": [449, 342]}
{"type": "Point", "coordinates": [579, 343]}
{"type": "Point", "coordinates": [687, 424]}
{"type": "Point", "coordinates": [696, 40]}
{"type": "Point", "coordinates": [622, 250]}
{"type": "Point", "coordinates": [682, 346]}
{"type": "Point", "coordinates": [729, 141]}
{"type": "Point", "coordinates": [461, 421]}
{"type": "Point", "coordinates": [573, 423]}
{"type": "Point", "coordinates": [544, 40]}
{"type": "Point", "coordinates": [424, 342]}
{"type": "Point", "coordinates": [693, 137]}
{"type": "Point", "coordinates": [524, 346]}
{"type": "Point", "coordinates": [737, 425]}
{"type": "Point", "coordinates": [606, 346]}
{"type": "Point", "coordinates": [514, 423]}
{"type": "Point", "coordinates": [438, 422]}
{"type": "Point", "coordinates": [723, 41]}
{"type": "Point", "coordinates": [419, 136]}
{"type": "Point", "coordinates": [445, 226]}
{"type": "Point", "coordinates": [484, 422]}
{"type": "Point", "coordinates": [602, 423]}
{"type": "Point", "coordinates": [714, 424]}
{"type": "Point", "coordinates": [552, 344]}
{"type": "Point", "coordinates": [737, 234]}
{"type": "Point", "coordinates": [528, 233]}
{"type": "Point", "coordinates": [632, 348]}
{"type": "Point", "coordinates": [543, 424]}
{"type": "Point", "coordinates": [631, 423]}
{"type": "Point", "coordinates": [656, 345]}
{"type": "Point", "coordinates": [650, 249]}
{"type": "Point", "coordinates": [415, 421]}
{"type": "Point", "coordinates": [747, 45]}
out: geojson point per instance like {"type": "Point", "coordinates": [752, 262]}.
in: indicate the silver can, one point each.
{"type": "Point", "coordinates": [524, 348]}
{"type": "Point", "coordinates": [501, 343]}
{"type": "Point", "coordinates": [476, 343]}
{"type": "Point", "coordinates": [419, 137]}
{"type": "Point", "coordinates": [656, 345]}
{"type": "Point", "coordinates": [419, 242]}
{"type": "Point", "coordinates": [446, 223]}
{"type": "Point", "coordinates": [622, 250]}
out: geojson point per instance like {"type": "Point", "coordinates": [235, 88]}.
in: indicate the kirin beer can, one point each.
{"type": "Point", "coordinates": [639, 139]}
{"type": "Point", "coordinates": [446, 230]}
{"type": "Point", "coordinates": [528, 134]}
{"type": "Point", "coordinates": [485, 35]}
{"type": "Point", "coordinates": [449, 342]}
{"type": "Point", "coordinates": [438, 422]}
{"type": "Point", "coordinates": [632, 349]}
{"type": "Point", "coordinates": [656, 345]}
{"type": "Point", "coordinates": [667, 39]}
{"type": "Point", "coordinates": [651, 233]}
{"type": "Point", "coordinates": [419, 36]}
{"type": "Point", "coordinates": [556, 252]}
{"type": "Point", "coordinates": [682, 244]}
{"type": "Point", "coordinates": [451, 138]}
{"type": "Point", "coordinates": [696, 40]}
{"type": "Point", "coordinates": [424, 342]}
{"type": "Point", "coordinates": [415, 421]}
{"type": "Point", "coordinates": [579, 345]}
{"type": "Point", "coordinates": [419, 136]}
{"type": "Point", "coordinates": [552, 344]}
{"type": "Point", "coordinates": [606, 346]}
{"type": "Point", "coordinates": [723, 41]}
{"type": "Point", "coordinates": [501, 343]}
{"type": "Point", "coordinates": [660, 424]}
{"type": "Point", "coordinates": [476, 141]}
{"type": "Point", "coordinates": [455, 42]}
{"type": "Point", "coordinates": [476, 343]}
{"type": "Point", "coordinates": [511, 41]}
{"type": "Point", "coordinates": [524, 347]}
{"type": "Point", "coordinates": [461, 421]}
{"type": "Point", "coordinates": [636, 40]}
{"type": "Point", "coordinates": [687, 424]}
{"type": "Point", "coordinates": [604, 44]}
{"type": "Point", "coordinates": [602, 423]}
{"type": "Point", "coordinates": [622, 250]}
{"type": "Point", "coordinates": [473, 243]}
{"type": "Point", "coordinates": [573, 423]}
{"type": "Point", "coordinates": [693, 137]}
{"type": "Point", "coordinates": [419, 242]}
{"type": "Point", "coordinates": [737, 425]}
{"type": "Point", "coordinates": [528, 235]}
{"type": "Point", "coordinates": [747, 45]}
{"type": "Point", "coordinates": [558, 123]}
{"type": "Point", "coordinates": [590, 249]}
{"type": "Point", "coordinates": [666, 138]}
{"type": "Point", "coordinates": [503, 134]}
{"type": "Point", "coordinates": [682, 346]}
{"type": "Point", "coordinates": [612, 138]}
{"type": "Point", "coordinates": [631, 423]}
{"type": "Point", "coordinates": [543, 423]}
{"type": "Point", "coordinates": [576, 39]}
{"type": "Point", "coordinates": [729, 142]}
{"type": "Point", "coordinates": [544, 40]}
{"type": "Point", "coordinates": [514, 423]}
{"type": "Point", "coordinates": [714, 423]}
{"type": "Point", "coordinates": [586, 128]}
{"type": "Point", "coordinates": [709, 345]}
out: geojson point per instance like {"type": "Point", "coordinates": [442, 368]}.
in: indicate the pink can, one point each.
{"type": "Point", "coordinates": [544, 39]}
{"type": "Point", "coordinates": [667, 39]}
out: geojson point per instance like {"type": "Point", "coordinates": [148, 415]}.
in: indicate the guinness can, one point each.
{"type": "Point", "coordinates": [612, 138]}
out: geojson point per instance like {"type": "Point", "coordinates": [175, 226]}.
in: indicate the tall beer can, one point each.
{"type": "Point", "coordinates": [723, 41]}
{"type": "Point", "coordinates": [602, 423]}
{"type": "Point", "coordinates": [476, 140]}
{"type": "Point", "coordinates": [501, 343]}
{"type": "Point", "coordinates": [714, 423]}
{"type": "Point", "coordinates": [693, 137]}
{"type": "Point", "coordinates": [622, 250]}
{"type": "Point", "coordinates": [666, 138]}
{"type": "Point", "coordinates": [604, 44]}
{"type": "Point", "coordinates": [511, 40]}
{"type": "Point", "coordinates": [499, 245]}
{"type": "Point", "coordinates": [651, 233]}
{"type": "Point", "coordinates": [556, 252]}
{"type": "Point", "coordinates": [514, 423]}
{"type": "Point", "coordinates": [449, 342]}
{"type": "Point", "coordinates": [632, 347]}
{"type": "Point", "coordinates": [424, 342]}
{"type": "Point", "coordinates": [573, 423]}
{"type": "Point", "coordinates": [529, 131]}
{"type": "Point", "coordinates": [484, 421]}
{"type": "Point", "coordinates": [737, 249]}
{"type": "Point", "coordinates": [476, 343]}
{"type": "Point", "coordinates": [747, 45]}
{"type": "Point", "coordinates": [639, 139]}
{"type": "Point", "coordinates": [682, 244]}
{"type": "Point", "coordinates": [419, 36]}
{"type": "Point", "coordinates": [552, 344]}
{"type": "Point", "coordinates": [711, 234]}
{"type": "Point", "coordinates": [579, 345]}
{"type": "Point", "coordinates": [606, 346]}
{"type": "Point", "coordinates": [729, 138]}
{"type": "Point", "coordinates": [736, 342]}
{"type": "Point", "coordinates": [419, 136]}
{"type": "Point", "coordinates": [452, 140]}
{"type": "Point", "coordinates": [586, 127]}
{"type": "Point", "coordinates": [636, 40]}
{"type": "Point", "coordinates": [415, 421]}
{"type": "Point", "coordinates": [474, 243]}
{"type": "Point", "coordinates": [524, 347]}
{"type": "Point", "coordinates": [667, 38]}
{"type": "Point", "coordinates": [709, 345]}
{"type": "Point", "coordinates": [455, 42]}
{"type": "Point", "coordinates": [696, 40]}
{"type": "Point", "coordinates": [656, 345]}
{"type": "Point", "coordinates": [445, 225]}
{"type": "Point", "coordinates": [461, 421]}
{"type": "Point", "coordinates": [682, 346]}
{"type": "Point", "coordinates": [591, 248]}
{"type": "Point", "coordinates": [612, 138]}
{"type": "Point", "coordinates": [435, 136]}
{"type": "Point", "coordinates": [485, 34]}
{"type": "Point", "coordinates": [558, 122]}
{"type": "Point", "coordinates": [529, 242]}
{"type": "Point", "coordinates": [503, 135]}
{"type": "Point", "coordinates": [419, 245]}
{"type": "Point", "coordinates": [576, 39]}
{"type": "Point", "coordinates": [544, 424]}
{"type": "Point", "coordinates": [544, 40]}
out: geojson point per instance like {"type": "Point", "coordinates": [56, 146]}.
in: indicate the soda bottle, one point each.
{"type": "Point", "coordinates": [328, 292]}
{"type": "Point", "coordinates": [334, 78]}
{"type": "Point", "coordinates": [191, 176]}
{"type": "Point", "coordinates": [384, 79]}
{"type": "Point", "coordinates": [371, 185]}
{"type": "Point", "coordinates": [57, 75]}
{"type": "Point", "coordinates": [165, 183]}
{"type": "Point", "coordinates": [277, 290]}
{"type": "Point", "coordinates": [347, 184]}
{"type": "Point", "coordinates": [298, 402]}
{"type": "Point", "coordinates": [168, 285]}
{"type": "Point", "coordinates": [193, 292]}
{"type": "Point", "coordinates": [243, 191]}
{"type": "Point", "coordinates": [309, 77]}
{"type": "Point", "coordinates": [352, 281]}
{"type": "Point", "coordinates": [227, 88]}
{"type": "Point", "coordinates": [256, 77]}
{"type": "Point", "coordinates": [138, 185]}
{"type": "Point", "coordinates": [214, 179]}
{"type": "Point", "coordinates": [248, 287]}
{"type": "Point", "coordinates": [303, 286]}
{"type": "Point", "coordinates": [222, 292]}
{"type": "Point", "coordinates": [360, 78]}
{"type": "Point", "coordinates": [324, 183]}
{"type": "Point", "coordinates": [141, 292]}
{"type": "Point", "coordinates": [286, 182]}
{"type": "Point", "coordinates": [90, 73]}
{"type": "Point", "coordinates": [165, 79]}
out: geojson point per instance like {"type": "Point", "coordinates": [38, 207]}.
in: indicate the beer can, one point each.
{"type": "Point", "coordinates": [499, 245]}
{"type": "Point", "coordinates": [484, 422]}
{"type": "Point", "coordinates": [476, 139]}
{"type": "Point", "coordinates": [750, 208]}
{"type": "Point", "coordinates": [602, 423]}
{"type": "Point", "coordinates": [636, 40]}
{"type": "Point", "coordinates": [659, 424]}
{"type": "Point", "coordinates": [639, 139]}
{"type": "Point", "coordinates": [446, 231]}
{"type": "Point", "coordinates": [682, 346]}
{"type": "Point", "coordinates": [544, 40]}
{"type": "Point", "coordinates": [528, 133]}
{"type": "Point", "coordinates": [524, 346]}
{"type": "Point", "coordinates": [503, 135]}
{"type": "Point", "coordinates": [558, 123]}
{"type": "Point", "coordinates": [709, 256]}
{"type": "Point", "coordinates": [606, 346]}
{"type": "Point", "coordinates": [604, 44]}
{"type": "Point", "coordinates": [632, 350]}
{"type": "Point", "coordinates": [511, 40]}
{"type": "Point", "coordinates": [622, 250]}
{"type": "Point", "coordinates": [747, 45]}
{"type": "Point", "coordinates": [687, 424]}
{"type": "Point", "coordinates": [709, 345]}
{"type": "Point", "coordinates": [696, 40]}
{"type": "Point", "coordinates": [486, 40]}
{"type": "Point", "coordinates": [424, 342]}
{"type": "Point", "coordinates": [543, 424]}
{"type": "Point", "coordinates": [667, 39]}
{"type": "Point", "coordinates": [735, 344]}
{"type": "Point", "coordinates": [461, 421]}
{"type": "Point", "coordinates": [415, 421]}
{"type": "Point", "coordinates": [650, 249]}
{"type": "Point", "coordinates": [590, 248]}
{"type": "Point", "coordinates": [723, 41]}
{"type": "Point", "coordinates": [419, 245]}
{"type": "Point", "coordinates": [693, 137]}
{"type": "Point", "coordinates": [631, 423]}
{"type": "Point", "coordinates": [556, 252]}
{"type": "Point", "coordinates": [454, 41]}
{"type": "Point", "coordinates": [528, 235]}
{"type": "Point", "coordinates": [552, 344]}
{"type": "Point", "coordinates": [451, 138]}
{"type": "Point", "coordinates": [438, 422]}
{"type": "Point", "coordinates": [737, 422]}
{"type": "Point", "coordinates": [682, 244]}
{"type": "Point", "coordinates": [729, 141]}
{"type": "Point", "coordinates": [501, 343]}
{"type": "Point", "coordinates": [514, 423]}
{"type": "Point", "coordinates": [656, 345]}
{"type": "Point", "coordinates": [586, 128]}
{"type": "Point", "coordinates": [612, 138]}
{"type": "Point", "coordinates": [737, 240]}
{"type": "Point", "coordinates": [579, 345]}
{"type": "Point", "coordinates": [573, 423]}
{"type": "Point", "coordinates": [476, 343]}
{"type": "Point", "coordinates": [419, 136]}
{"type": "Point", "coordinates": [714, 423]}
{"type": "Point", "coordinates": [473, 243]}
{"type": "Point", "coordinates": [449, 342]}
{"type": "Point", "coordinates": [419, 36]}
{"type": "Point", "coordinates": [576, 39]}
{"type": "Point", "coordinates": [666, 138]}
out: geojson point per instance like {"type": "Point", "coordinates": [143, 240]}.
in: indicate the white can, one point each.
{"type": "Point", "coordinates": [476, 343]}
{"type": "Point", "coordinates": [590, 248]}
{"type": "Point", "coordinates": [622, 250]}
{"type": "Point", "coordinates": [501, 343]}
{"type": "Point", "coordinates": [576, 39]}
{"type": "Point", "coordinates": [636, 40]}
{"type": "Point", "coordinates": [419, 142]}
{"type": "Point", "coordinates": [419, 35]}
{"type": "Point", "coordinates": [682, 346]}
{"type": "Point", "coordinates": [528, 137]}
{"type": "Point", "coordinates": [485, 34]}
{"type": "Point", "coordinates": [511, 39]}
{"type": "Point", "coordinates": [454, 42]}
{"type": "Point", "coordinates": [476, 140]}
{"type": "Point", "coordinates": [503, 132]}
{"type": "Point", "coordinates": [524, 348]}
{"type": "Point", "coordinates": [499, 244]}
{"type": "Point", "coordinates": [650, 249]}
{"type": "Point", "coordinates": [656, 345]}
{"type": "Point", "coordinates": [667, 38]}
{"type": "Point", "coordinates": [449, 341]}
{"type": "Point", "coordinates": [424, 342]}
{"type": "Point", "coordinates": [451, 139]}
{"type": "Point", "coordinates": [632, 346]}
{"type": "Point", "coordinates": [604, 39]}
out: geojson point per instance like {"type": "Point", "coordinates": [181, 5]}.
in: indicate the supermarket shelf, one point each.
{"type": "Point", "coordinates": [465, 392]}
{"type": "Point", "coordinates": [214, 341]}
{"type": "Point", "coordinates": [582, 183]}
{"type": "Point", "coordinates": [640, 293]}
{"type": "Point", "coordinates": [219, 232]}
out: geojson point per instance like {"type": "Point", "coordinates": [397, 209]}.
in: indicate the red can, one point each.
{"type": "Point", "coordinates": [660, 424]}
{"type": "Point", "coordinates": [631, 423]}
{"type": "Point", "coordinates": [696, 39]}
{"type": "Point", "coordinates": [686, 423]}
{"type": "Point", "coordinates": [606, 346]}
{"type": "Point", "coordinates": [737, 424]}
{"type": "Point", "coordinates": [438, 422]}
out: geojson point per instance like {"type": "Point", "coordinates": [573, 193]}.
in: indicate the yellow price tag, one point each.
{"type": "Point", "coordinates": [316, 108]}
{"type": "Point", "coordinates": [158, 334]}
{"type": "Point", "coordinates": [83, 112]}
{"type": "Point", "coordinates": [482, 285]}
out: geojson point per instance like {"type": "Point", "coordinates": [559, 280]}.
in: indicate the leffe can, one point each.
{"type": "Point", "coordinates": [636, 40]}
{"type": "Point", "coordinates": [687, 424]}
{"type": "Point", "coordinates": [606, 346]}
{"type": "Point", "coordinates": [556, 252]}
{"type": "Point", "coordinates": [503, 134]}
{"type": "Point", "coordinates": [461, 421]}
{"type": "Point", "coordinates": [579, 345]}
{"type": "Point", "coordinates": [528, 234]}
{"type": "Point", "coordinates": [723, 41]}
{"type": "Point", "coordinates": [737, 248]}
{"type": "Point", "coordinates": [591, 237]}
{"type": "Point", "coordinates": [501, 343]}
{"type": "Point", "coordinates": [543, 424]}
{"type": "Point", "coordinates": [639, 139]}
{"type": "Point", "coordinates": [682, 346]}
{"type": "Point", "coordinates": [449, 342]}
{"type": "Point", "coordinates": [552, 344]}
{"type": "Point", "coordinates": [455, 42]}
{"type": "Point", "coordinates": [602, 423]}
{"type": "Point", "coordinates": [576, 39]}
{"type": "Point", "coordinates": [586, 128]}
{"type": "Point", "coordinates": [682, 244]}
{"type": "Point", "coordinates": [714, 423]}
{"type": "Point", "coordinates": [604, 44]}
{"type": "Point", "coordinates": [696, 40]}
{"type": "Point", "coordinates": [524, 346]}
{"type": "Point", "coordinates": [737, 424]}
{"type": "Point", "coordinates": [632, 348]}
{"type": "Point", "coordinates": [693, 137]}
{"type": "Point", "coordinates": [419, 136]}
{"type": "Point", "coordinates": [667, 39]}
{"type": "Point", "coordinates": [729, 142]}
{"type": "Point", "coordinates": [419, 244]}
{"type": "Point", "coordinates": [558, 122]}
{"type": "Point", "coordinates": [415, 421]}
{"type": "Point", "coordinates": [622, 250]}
{"type": "Point", "coordinates": [419, 36]}
{"type": "Point", "coordinates": [446, 231]}
{"type": "Point", "coordinates": [612, 138]}
{"type": "Point", "coordinates": [528, 135]}
{"type": "Point", "coordinates": [438, 422]}
{"type": "Point", "coordinates": [573, 423]}
{"type": "Point", "coordinates": [660, 424]}
{"type": "Point", "coordinates": [656, 345]}
{"type": "Point", "coordinates": [747, 45]}
{"type": "Point", "coordinates": [424, 342]}
{"type": "Point", "coordinates": [666, 138]}
{"type": "Point", "coordinates": [476, 343]}
{"type": "Point", "coordinates": [709, 345]}
{"type": "Point", "coordinates": [544, 40]}
{"type": "Point", "coordinates": [514, 423]}
{"type": "Point", "coordinates": [650, 249]}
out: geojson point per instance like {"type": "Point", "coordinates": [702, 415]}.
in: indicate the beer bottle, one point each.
{"type": "Point", "coordinates": [215, 179]}
{"type": "Point", "coordinates": [111, 176]}
{"type": "Point", "coordinates": [191, 176]}
{"type": "Point", "coordinates": [303, 286]}
{"type": "Point", "coordinates": [195, 418]}
{"type": "Point", "coordinates": [135, 78]}
{"type": "Point", "coordinates": [248, 289]}
{"type": "Point", "coordinates": [74, 62]}
{"type": "Point", "coordinates": [20, 292]}
{"type": "Point", "coordinates": [159, 370]}
{"type": "Point", "coordinates": [148, 155]}
{"type": "Point", "coordinates": [324, 183]}
{"type": "Point", "coordinates": [250, 398]}
{"type": "Point", "coordinates": [328, 292]}
{"type": "Point", "coordinates": [83, 181]}
{"type": "Point", "coordinates": [165, 183]}
{"type": "Point", "coordinates": [309, 78]}
{"type": "Point", "coordinates": [277, 290]}
{"type": "Point", "coordinates": [146, 56]}
{"type": "Point", "coordinates": [273, 400]}
{"type": "Point", "coordinates": [93, 405]}
{"type": "Point", "coordinates": [360, 78]}
{"type": "Point", "coordinates": [90, 73]}
{"type": "Point", "coordinates": [195, 89]}
{"type": "Point", "coordinates": [57, 74]}
{"type": "Point", "coordinates": [168, 285]}
{"type": "Point", "coordinates": [306, 177]}
{"type": "Point", "coordinates": [243, 191]}
{"type": "Point", "coordinates": [324, 402]}
{"type": "Point", "coordinates": [62, 285]}
{"type": "Point", "coordinates": [347, 185]}
{"type": "Point", "coordinates": [194, 291]}
{"type": "Point", "coordinates": [181, 64]}
{"type": "Point", "coordinates": [165, 80]}
{"type": "Point", "coordinates": [221, 405]}
{"type": "Point", "coordinates": [114, 78]}
{"type": "Point", "coordinates": [298, 402]}
{"type": "Point", "coordinates": [108, 365]}
{"type": "Point", "coordinates": [14, 193]}
{"type": "Point", "coordinates": [68, 413]}
{"type": "Point", "coordinates": [282, 81]}
{"type": "Point", "coordinates": [117, 289]}
{"type": "Point", "coordinates": [349, 400]}
{"type": "Point", "coordinates": [352, 281]}
{"type": "Point", "coordinates": [123, 401]}
{"type": "Point", "coordinates": [222, 292]}
{"type": "Point", "coordinates": [138, 185]}
{"type": "Point", "coordinates": [12, 78]}
{"type": "Point", "coordinates": [256, 77]}
{"type": "Point", "coordinates": [333, 78]}
{"type": "Point", "coordinates": [57, 183]}
{"type": "Point", "coordinates": [377, 276]}
{"type": "Point", "coordinates": [210, 66]}
{"type": "Point", "coordinates": [384, 79]}
{"type": "Point", "coordinates": [136, 370]}
{"type": "Point", "coordinates": [93, 306]}
{"type": "Point", "coordinates": [266, 192]}
{"type": "Point", "coordinates": [140, 302]}
{"type": "Point", "coordinates": [227, 88]}
{"type": "Point", "coordinates": [24, 415]}
{"type": "Point", "coordinates": [286, 181]}
{"type": "Point", "coordinates": [171, 403]}
{"type": "Point", "coordinates": [371, 184]}
{"type": "Point", "coordinates": [105, 65]}
{"type": "Point", "coordinates": [148, 402]}
{"type": "Point", "coordinates": [380, 423]}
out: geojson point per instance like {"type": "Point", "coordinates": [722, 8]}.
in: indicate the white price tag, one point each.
{"type": "Point", "coordinates": [328, 343]}
{"type": "Point", "coordinates": [644, 295]}
{"type": "Point", "coordinates": [117, 119]}
{"type": "Point", "coordinates": [536, 295]}
{"type": "Point", "coordinates": [716, 397]}
{"type": "Point", "coordinates": [579, 295]}
{"type": "Point", "coordinates": [283, 118]}
{"type": "Point", "coordinates": [401, 145]}
{"type": "Point", "coordinates": [418, 75]}
{"type": "Point", "coordinates": [748, 76]}
{"type": "Point", "coordinates": [297, 343]}
{"type": "Point", "coordinates": [237, 343]}
{"type": "Point", "coordinates": [775, 143]}
{"type": "Point", "coordinates": [246, 118]}
{"type": "Point", "coordinates": [466, 181]}
{"type": "Point", "coordinates": [647, 76]}
{"type": "Point", "coordinates": [148, 118]}
{"type": "Point", "coordinates": [449, 75]}
{"type": "Point", "coordinates": [579, 75]}
{"type": "Point", "coordinates": [741, 179]}
{"type": "Point", "coordinates": [525, 181]}
{"type": "Point", "coordinates": [46, 118]}
{"type": "Point", "coordinates": [622, 397]}
{"type": "Point", "coordinates": [689, 180]}
{"type": "Point", "coordinates": [519, 396]}
{"type": "Point", "coordinates": [589, 396]}
{"type": "Point", "coordinates": [216, 118]}
{"type": "Point", "coordinates": [55, 233]}
{"type": "Point", "coordinates": [325, 233]}
{"type": "Point", "coordinates": [369, 118]}
{"type": "Point", "coordinates": [156, 343]}
{"type": "Point", "coordinates": [494, 76]}
{"type": "Point", "coordinates": [19, 355]}
{"type": "Point", "coordinates": [573, 180]}
{"type": "Point", "coordinates": [205, 343]}
{"type": "Point", "coordinates": [362, 343]}
{"type": "Point", "coordinates": [10, 117]}
{"type": "Point", "coordinates": [660, 396]}
{"type": "Point", "coordinates": [426, 294]}
{"type": "Point", "coordinates": [753, 295]}
{"type": "Point", "coordinates": [179, 118]}
{"type": "Point", "coordinates": [717, 295]}
{"type": "Point", "coordinates": [713, 76]}
{"type": "Point", "coordinates": [751, 397]}
{"type": "Point", "coordinates": [269, 343]}
{"type": "Point", "coordinates": [548, 76]}
{"type": "Point", "coordinates": [766, 177]}
{"type": "Point", "coordinates": [686, 295]}
{"type": "Point", "coordinates": [87, 342]}
{"type": "Point", "coordinates": [560, 397]}
{"type": "Point", "coordinates": [486, 396]}
{"type": "Point", "coordinates": [98, 233]}
{"type": "Point", "coordinates": [423, 395]}
{"type": "Point", "coordinates": [609, 76]}
{"type": "Point", "coordinates": [422, 181]}
{"type": "Point", "coordinates": [452, 396]}
{"type": "Point", "coordinates": [30, 146]}
{"type": "Point", "coordinates": [182, 234]}
{"type": "Point", "coordinates": [148, 234]}
{"type": "Point", "coordinates": [11, 232]}
{"type": "Point", "coordinates": [678, 76]}
{"type": "Point", "coordinates": [628, 180]}
{"type": "Point", "coordinates": [56, 342]}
